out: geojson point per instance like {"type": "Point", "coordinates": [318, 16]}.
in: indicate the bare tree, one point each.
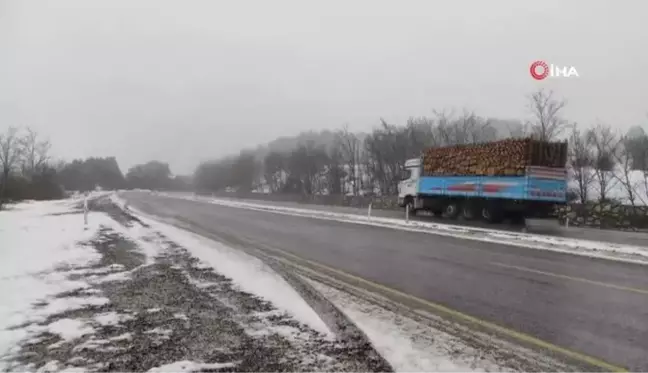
{"type": "Point", "coordinates": [274, 168]}
{"type": "Point", "coordinates": [335, 170]}
{"type": "Point", "coordinates": [623, 173]}
{"type": "Point", "coordinates": [388, 146]}
{"type": "Point", "coordinates": [306, 167]}
{"type": "Point", "coordinates": [636, 146]}
{"type": "Point", "coordinates": [547, 122]}
{"type": "Point", "coordinates": [245, 172]}
{"type": "Point", "coordinates": [35, 153]}
{"type": "Point", "coordinates": [10, 151]}
{"type": "Point", "coordinates": [468, 128]}
{"type": "Point", "coordinates": [349, 146]}
{"type": "Point", "coordinates": [581, 162]}
{"type": "Point", "coordinates": [386, 152]}
{"type": "Point", "coordinates": [605, 147]}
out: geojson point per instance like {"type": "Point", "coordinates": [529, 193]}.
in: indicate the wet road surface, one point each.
{"type": "Point", "coordinates": [639, 238]}
{"type": "Point", "coordinates": [593, 306]}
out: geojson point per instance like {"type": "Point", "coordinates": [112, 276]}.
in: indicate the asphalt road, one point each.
{"type": "Point", "coordinates": [592, 234]}
{"type": "Point", "coordinates": [593, 306]}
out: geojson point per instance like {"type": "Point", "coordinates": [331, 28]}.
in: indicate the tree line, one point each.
{"type": "Point", "coordinates": [28, 171]}
{"type": "Point", "coordinates": [364, 164]}
{"type": "Point", "coordinates": [601, 159]}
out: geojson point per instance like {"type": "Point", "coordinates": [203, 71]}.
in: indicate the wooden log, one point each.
{"type": "Point", "coordinates": [507, 157]}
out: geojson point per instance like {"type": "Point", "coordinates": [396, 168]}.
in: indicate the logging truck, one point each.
{"type": "Point", "coordinates": [515, 179]}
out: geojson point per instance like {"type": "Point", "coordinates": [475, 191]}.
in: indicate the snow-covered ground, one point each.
{"type": "Point", "coordinates": [613, 251]}
{"type": "Point", "coordinates": [37, 238]}
{"type": "Point", "coordinates": [118, 294]}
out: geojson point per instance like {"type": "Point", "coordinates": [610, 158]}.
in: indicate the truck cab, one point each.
{"type": "Point", "coordinates": [408, 186]}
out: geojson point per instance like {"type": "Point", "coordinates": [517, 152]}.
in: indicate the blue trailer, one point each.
{"type": "Point", "coordinates": [493, 198]}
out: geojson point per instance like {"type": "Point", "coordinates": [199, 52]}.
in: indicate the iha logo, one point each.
{"type": "Point", "coordinates": [540, 70]}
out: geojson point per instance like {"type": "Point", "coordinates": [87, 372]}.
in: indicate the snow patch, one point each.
{"type": "Point", "coordinates": [111, 318]}
{"type": "Point", "coordinates": [69, 329]}
{"type": "Point", "coordinates": [190, 366]}
{"type": "Point", "coordinates": [60, 305]}
{"type": "Point", "coordinates": [113, 277]}
{"type": "Point", "coordinates": [166, 333]}
{"type": "Point", "coordinates": [122, 337]}
{"type": "Point", "coordinates": [181, 316]}
{"type": "Point", "coordinates": [90, 344]}
{"type": "Point", "coordinates": [50, 366]}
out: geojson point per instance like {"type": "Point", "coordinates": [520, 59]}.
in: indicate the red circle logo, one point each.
{"type": "Point", "coordinates": [534, 70]}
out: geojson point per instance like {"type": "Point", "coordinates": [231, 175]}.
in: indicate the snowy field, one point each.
{"type": "Point", "coordinates": [129, 293]}
{"type": "Point", "coordinates": [612, 251]}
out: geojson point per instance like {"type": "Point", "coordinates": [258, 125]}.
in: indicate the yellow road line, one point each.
{"type": "Point", "coordinates": [572, 278]}
{"type": "Point", "coordinates": [520, 336]}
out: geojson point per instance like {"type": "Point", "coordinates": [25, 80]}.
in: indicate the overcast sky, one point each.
{"type": "Point", "coordinates": [182, 81]}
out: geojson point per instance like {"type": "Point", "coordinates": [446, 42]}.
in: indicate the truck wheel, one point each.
{"type": "Point", "coordinates": [468, 212]}
{"type": "Point", "coordinates": [491, 215]}
{"type": "Point", "coordinates": [451, 210]}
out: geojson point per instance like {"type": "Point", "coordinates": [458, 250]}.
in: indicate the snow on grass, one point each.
{"type": "Point", "coordinates": [181, 316]}
{"type": "Point", "coordinates": [111, 318]}
{"type": "Point", "coordinates": [117, 276]}
{"type": "Point", "coordinates": [56, 366]}
{"type": "Point", "coordinates": [249, 273]}
{"type": "Point", "coordinates": [69, 329]}
{"type": "Point", "coordinates": [191, 366]}
{"type": "Point", "coordinates": [39, 238]}
{"type": "Point", "coordinates": [90, 344]}
{"type": "Point", "coordinates": [163, 333]}
{"type": "Point", "coordinates": [122, 337]}
{"type": "Point", "coordinates": [60, 305]}
{"type": "Point", "coordinates": [146, 241]}
{"type": "Point", "coordinates": [606, 250]}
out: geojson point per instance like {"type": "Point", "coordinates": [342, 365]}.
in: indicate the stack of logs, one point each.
{"type": "Point", "coordinates": [509, 157]}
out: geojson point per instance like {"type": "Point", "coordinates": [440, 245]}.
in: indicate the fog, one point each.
{"type": "Point", "coordinates": [183, 81]}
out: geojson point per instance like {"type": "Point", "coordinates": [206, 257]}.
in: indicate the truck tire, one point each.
{"type": "Point", "coordinates": [491, 214]}
{"type": "Point", "coordinates": [468, 212]}
{"type": "Point", "coordinates": [451, 210]}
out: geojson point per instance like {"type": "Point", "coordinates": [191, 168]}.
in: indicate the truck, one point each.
{"type": "Point", "coordinates": [516, 179]}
